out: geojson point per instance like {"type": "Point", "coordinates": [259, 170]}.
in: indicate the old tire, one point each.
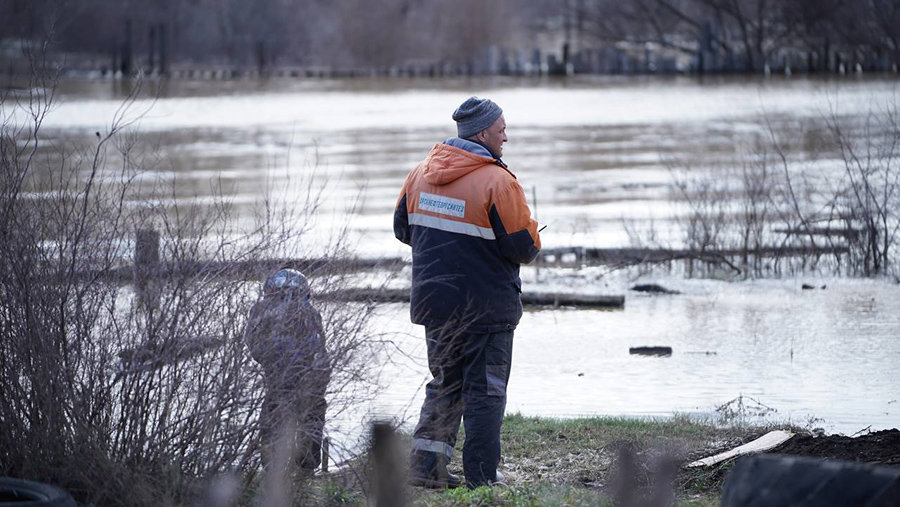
{"type": "Point", "coordinates": [21, 493]}
{"type": "Point", "coordinates": [771, 480]}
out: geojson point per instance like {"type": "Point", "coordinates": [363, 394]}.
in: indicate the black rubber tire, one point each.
{"type": "Point", "coordinates": [21, 493]}
{"type": "Point", "coordinates": [769, 480]}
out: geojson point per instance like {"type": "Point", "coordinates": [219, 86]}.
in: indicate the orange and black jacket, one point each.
{"type": "Point", "coordinates": [469, 226]}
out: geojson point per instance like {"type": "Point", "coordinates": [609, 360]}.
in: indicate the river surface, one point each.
{"type": "Point", "coordinates": [816, 358]}
{"type": "Point", "coordinates": [594, 152]}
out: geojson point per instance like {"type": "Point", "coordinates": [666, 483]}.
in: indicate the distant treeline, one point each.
{"type": "Point", "coordinates": [465, 36]}
{"type": "Point", "coordinates": [750, 35]}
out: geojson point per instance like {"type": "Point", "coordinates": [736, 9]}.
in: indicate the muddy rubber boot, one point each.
{"type": "Point", "coordinates": [429, 470]}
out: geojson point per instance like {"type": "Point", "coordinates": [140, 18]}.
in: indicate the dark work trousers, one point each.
{"type": "Point", "coordinates": [471, 372]}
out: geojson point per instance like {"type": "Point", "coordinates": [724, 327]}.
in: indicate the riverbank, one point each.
{"type": "Point", "coordinates": [575, 462]}
{"type": "Point", "coordinates": [578, 462]}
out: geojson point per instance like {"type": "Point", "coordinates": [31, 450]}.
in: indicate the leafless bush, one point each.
{"type": "Point", "coordinates": [705, 198]}
{"type": "Point", "coordinates": [770, 214]}
{"type": "Point", "coordinates": [866, 204]}
{"type": "Point", "coordinates": [129, 383]}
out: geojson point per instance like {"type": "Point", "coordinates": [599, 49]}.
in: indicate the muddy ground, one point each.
{"type": "Point", "coordinates": [880, 447]}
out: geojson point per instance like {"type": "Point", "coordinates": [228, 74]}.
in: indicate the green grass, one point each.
{"type": "Point", "coordinates": [539, 495]}
{"type": "Point", "coordinates": [522, 496]}
{"type": "Point", "coordinates": [573, 462]}
{"type": "Point", "coordinates": [582, 451]}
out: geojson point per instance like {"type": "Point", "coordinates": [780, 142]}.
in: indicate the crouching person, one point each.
{"type": "Point", "coordinates": [285, 336]}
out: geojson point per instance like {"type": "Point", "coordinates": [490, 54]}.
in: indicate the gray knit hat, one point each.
{"type": "Point", "coordinates": [475, 115]}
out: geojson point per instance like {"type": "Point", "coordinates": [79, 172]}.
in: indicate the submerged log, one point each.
{"type": "Point", "coordinates": [248, 270]}
{"type": "Point", "coordinates": [581, 256]}
{"type": "Point", "coordinates": [528, 298]}
{"type": "Point", "coordinates": [585, 300]}
{"type": "Point", "coordinates": [626, 256]}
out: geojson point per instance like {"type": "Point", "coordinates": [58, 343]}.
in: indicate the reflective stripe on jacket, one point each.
{"type": "Point", "coordinates": [469, 226]}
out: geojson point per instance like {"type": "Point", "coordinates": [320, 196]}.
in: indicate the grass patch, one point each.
{"type": "Point", "coordinates": [527, 495]}
{"type": "Point", "coordinates": [573, 462]}
{"type": "Point", "coordinates": [582, 451]}
{"type": "Point", "coordinates": [538, 495]}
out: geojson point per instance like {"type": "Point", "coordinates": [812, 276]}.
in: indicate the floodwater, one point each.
{"type": "Point", "coordinates": [823, 358]}
{"type": "Point", "coordinates": [594, 152]}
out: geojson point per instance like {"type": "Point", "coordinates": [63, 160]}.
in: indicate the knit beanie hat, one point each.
{"type": "Point", "coordinates": [475, 115]}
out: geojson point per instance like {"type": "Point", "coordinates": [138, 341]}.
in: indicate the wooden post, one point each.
{"type": "Point", "coordinates": [146, 262]}
{"type": "Point", "coordinates": [388, 469]}
{"type": "Point", "coordinates": [146, 249]}
{"type": "Point", "coordinates": [326, 443]}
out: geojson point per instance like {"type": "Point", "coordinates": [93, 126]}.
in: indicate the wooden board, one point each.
{"type": "Point", "coordinates": [768, 441]}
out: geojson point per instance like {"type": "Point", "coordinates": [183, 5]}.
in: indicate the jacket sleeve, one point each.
{"type": "Point", "coordinates": [401, 217]}
{"type": "Point", "coordinates": [513, 226]}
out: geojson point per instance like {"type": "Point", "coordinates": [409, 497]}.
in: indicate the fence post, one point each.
{"type": "Point", "coordinates": [146, 263]}
{"type": "Point", "coordinates": [146, 249]}
{"type": "Point", "coordinates": [389, 483]}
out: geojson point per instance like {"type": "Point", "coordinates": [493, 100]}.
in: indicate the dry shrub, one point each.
{"type": "Point", "coordinates": [129, 384]}
{"type": "Point", "coordinates": [768, 215]}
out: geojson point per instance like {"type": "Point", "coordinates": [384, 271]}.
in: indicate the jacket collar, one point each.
{"type": "Point", "coordinates": [475, 147]}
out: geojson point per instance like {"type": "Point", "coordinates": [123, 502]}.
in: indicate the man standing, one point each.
{"type": "Point", "coordinates": [465, 216]}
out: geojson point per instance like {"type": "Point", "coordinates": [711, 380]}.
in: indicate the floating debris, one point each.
{"type": "Point", "coordinates": [650, 351]}
{"type": "Point", "coordinates": [766, 442]}
{"type": "Point", "coordinates": [653, 288]}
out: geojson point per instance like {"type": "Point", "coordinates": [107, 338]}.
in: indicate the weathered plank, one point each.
{"type": "Point", "coordinates": [768, 441]}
